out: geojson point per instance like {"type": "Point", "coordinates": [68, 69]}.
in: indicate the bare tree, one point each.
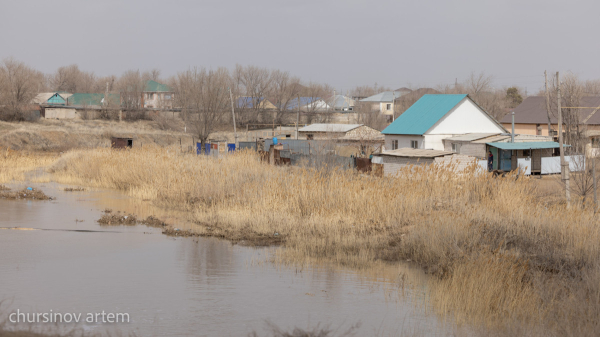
{"type": "Point", "coordinates": [152, 75]}
{"type": "Point", "coordinates": [253, 85]}
{"type": "Point", "coordinates": [311, 94]}
{"type": "Point", "coordinates": [72, 79]}
{"type": "Point", "coordinates": [132, 85]}
{"type": "Point", "coordinates": [19, 84]}
{"type": "Point", "coordinates": [284, 90]}
{"type": "Point", "coordinates": [572, 91]}
{"type": "Point", "coordinates": [204, 98]}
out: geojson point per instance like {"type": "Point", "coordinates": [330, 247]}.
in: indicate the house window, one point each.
{"type": "Point", "coordinates": [150, 96]}
{"type": "Point", "coordinates": [596, 142]}
{"type": "Point", "coordinates": [388, 106]}
{"type": "Point", "coordinates": [526, 153]}
{"type": "Point", "coordinates": [395, 144]}
{"type": "Point", "coordinates": [538, 130]}
{"type": "Point", "coordinates": [167, 96]}
{"type": "Point", "coordinates": [455, 147]}
{"type": "Point", "coordinates": [414, 144]}
{"type": "Point", "coordinates": [310, 137]}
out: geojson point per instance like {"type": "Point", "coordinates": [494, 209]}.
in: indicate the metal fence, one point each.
{"type": "Point", "coordinates": [306, 147]}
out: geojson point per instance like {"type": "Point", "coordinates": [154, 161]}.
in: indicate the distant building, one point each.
{"type": "Point", "coordinates": [531, 116]}
{"type": "Point", "coordinates": [157, 96]}
{"type": "Point", "coordinates": [384, 101]}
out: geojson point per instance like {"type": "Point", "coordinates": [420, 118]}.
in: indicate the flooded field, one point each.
{"type": "Point", "coordinates": [68, 263]}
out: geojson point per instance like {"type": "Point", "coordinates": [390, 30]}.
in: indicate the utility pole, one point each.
{"type": "Point", "coordinates": [548, 105]}
{"type": "Point", "coordinates": [564, 167]}
{"type": "Point", "coordinates": [595, 189]}
{"type": "Point", "coordinates": [393, 106]}
{"type": "Point", "coordinates": [298, 117]}
{"type": "Point", "coordinates": [233, 115]}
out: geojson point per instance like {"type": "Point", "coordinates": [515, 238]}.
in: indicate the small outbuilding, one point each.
{"type": "Point", "coordinates": [121, 142]}
{"type": "Point", "coordinates": [395, 160]}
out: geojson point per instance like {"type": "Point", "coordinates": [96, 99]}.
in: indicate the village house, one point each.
{"type": "Point", "coordinates": [157, 96]}
{"type": "Point", "coordinates": [383, 102]}
{"type": "Point", "coordinates": [434, 118]}
{"type": "Point", "coordinates": [531, 116]}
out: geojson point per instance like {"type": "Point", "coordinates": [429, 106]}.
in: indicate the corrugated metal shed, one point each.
{"type": "Point", "coordinates": [409, 152]}
{"type": "Point", "coordinates": [525, 145]}
{"type": "Point", "coordinates": [322, 127]}
{"type": "Point", "coordinates": [471, 137]}
{"type": "Point", "coordinates": [422, 115]}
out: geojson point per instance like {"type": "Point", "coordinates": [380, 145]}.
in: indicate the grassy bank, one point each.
{"type": "Point", "coordinates": [500, 253]}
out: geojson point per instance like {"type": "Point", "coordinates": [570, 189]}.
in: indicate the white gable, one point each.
{"type": "Point", "coordinates": [465, 117]}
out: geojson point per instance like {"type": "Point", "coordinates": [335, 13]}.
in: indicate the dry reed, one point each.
{"type": "Point", "coordinates": [498, 252]}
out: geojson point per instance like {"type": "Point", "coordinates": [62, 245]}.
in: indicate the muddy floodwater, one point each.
{"type": "Point", "coordinates": [68, 263]}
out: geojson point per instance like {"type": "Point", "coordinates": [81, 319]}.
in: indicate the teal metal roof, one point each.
{"type": "Point", "coordinates": [93, 99]}
{"type": "Point", "coordinates": [153, 86]}
{"type": "Point", "coordinates": [422, 115]}
{"type": "Point", "coordinates": [526, 145]}
{"type": "Point", "coordinates": [56, 99]}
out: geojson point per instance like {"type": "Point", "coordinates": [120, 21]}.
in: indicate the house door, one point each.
{"type": "Point", "coordinates": [536, 161]}
{"type": "Point", "coordinates": [505, 160]}
{"type": "Point", "coordinates": [495, 154]}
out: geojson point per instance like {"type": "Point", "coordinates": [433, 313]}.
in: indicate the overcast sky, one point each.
{"type": "Point", "coordinates": [343, 43]}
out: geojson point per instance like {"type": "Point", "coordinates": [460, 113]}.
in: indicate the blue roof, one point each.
{"type": "Point", "coordinates": [422, 115]}
{"type": "Point", "coordinates": [525, 145]}
{"type": "Point", "coordinates": [293, 104]}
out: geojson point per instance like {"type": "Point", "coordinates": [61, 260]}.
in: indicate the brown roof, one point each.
{"type": "Point", "coordinates": [533, 111]}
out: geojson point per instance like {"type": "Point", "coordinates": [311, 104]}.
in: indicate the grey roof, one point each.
{"type": "Point", "coordinates": [340, 102]}
{"type": "Point", "coordinates": [409, 152]}
{"type": "Point", "coordinates": [321, 127]}
{"type": "Point", "coordinates": [533, 111]}
{"type": "Point", "coordinates": [468, 137]}
{"type": "Point", "coordinates": [386, 96]}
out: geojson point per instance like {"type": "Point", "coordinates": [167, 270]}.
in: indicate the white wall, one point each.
{"type": "Point", "coordinates": [403, 141]}
{"type": "Point", "coordinates": [465, 117]}
{"type": "Point", "coordinates": [435, 142]}
{"type": "Point", "coordinates": [61, 113]}
{"type": "Point", "coordinates": [552, 164]}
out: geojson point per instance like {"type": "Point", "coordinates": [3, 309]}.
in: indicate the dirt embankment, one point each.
{"type": "Point", "coordinates": [63, 135]}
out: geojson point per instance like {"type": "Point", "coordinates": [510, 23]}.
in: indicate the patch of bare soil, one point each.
{"type": "Point", "coordinates": [110, 219]}
{"type": "Point", "coordinates": [4, 188]}
{"type": "Point", "coordinates": [25, 194]}
{"type": "Point", "coordinates": [245, 237]}
{"type": "Point", "coordinates": [116, 219]}
{"type": "Point", "coordinates": [74, 189]}
{"type": "Point", "coordinates": [153, 222]}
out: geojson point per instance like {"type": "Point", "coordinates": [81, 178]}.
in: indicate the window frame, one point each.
{"type": "Point", "coordinates": [414, 144]}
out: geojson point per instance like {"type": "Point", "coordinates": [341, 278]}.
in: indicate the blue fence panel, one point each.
{"type": "Point", "coordinates": [230, 147]}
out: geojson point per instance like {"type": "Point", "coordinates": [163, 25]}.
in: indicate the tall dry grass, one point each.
{"type": "Point", "coordinates": [14, 164]}
{"type": "Point", "coordinates": [499, 252]}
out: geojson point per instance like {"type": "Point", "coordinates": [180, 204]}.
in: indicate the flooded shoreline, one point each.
{"type": "Point", "coordinates": [182, 286]}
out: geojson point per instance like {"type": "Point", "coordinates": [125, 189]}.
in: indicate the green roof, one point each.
{"type": "Point", "coordinates": [525, 145]}
{"type": "Point", "coordinates": [153, 86]}
{"type": "Point", "coordinates": [422, 115]}
{"type": "Point", "coordinates": [93, 99]}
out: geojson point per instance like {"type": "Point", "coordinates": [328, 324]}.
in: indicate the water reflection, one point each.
{"type": "Point", "coordinates": [178, 286]}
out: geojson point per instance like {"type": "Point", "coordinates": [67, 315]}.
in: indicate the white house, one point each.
{"type": "Point", "coordinates": [434, 118]}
